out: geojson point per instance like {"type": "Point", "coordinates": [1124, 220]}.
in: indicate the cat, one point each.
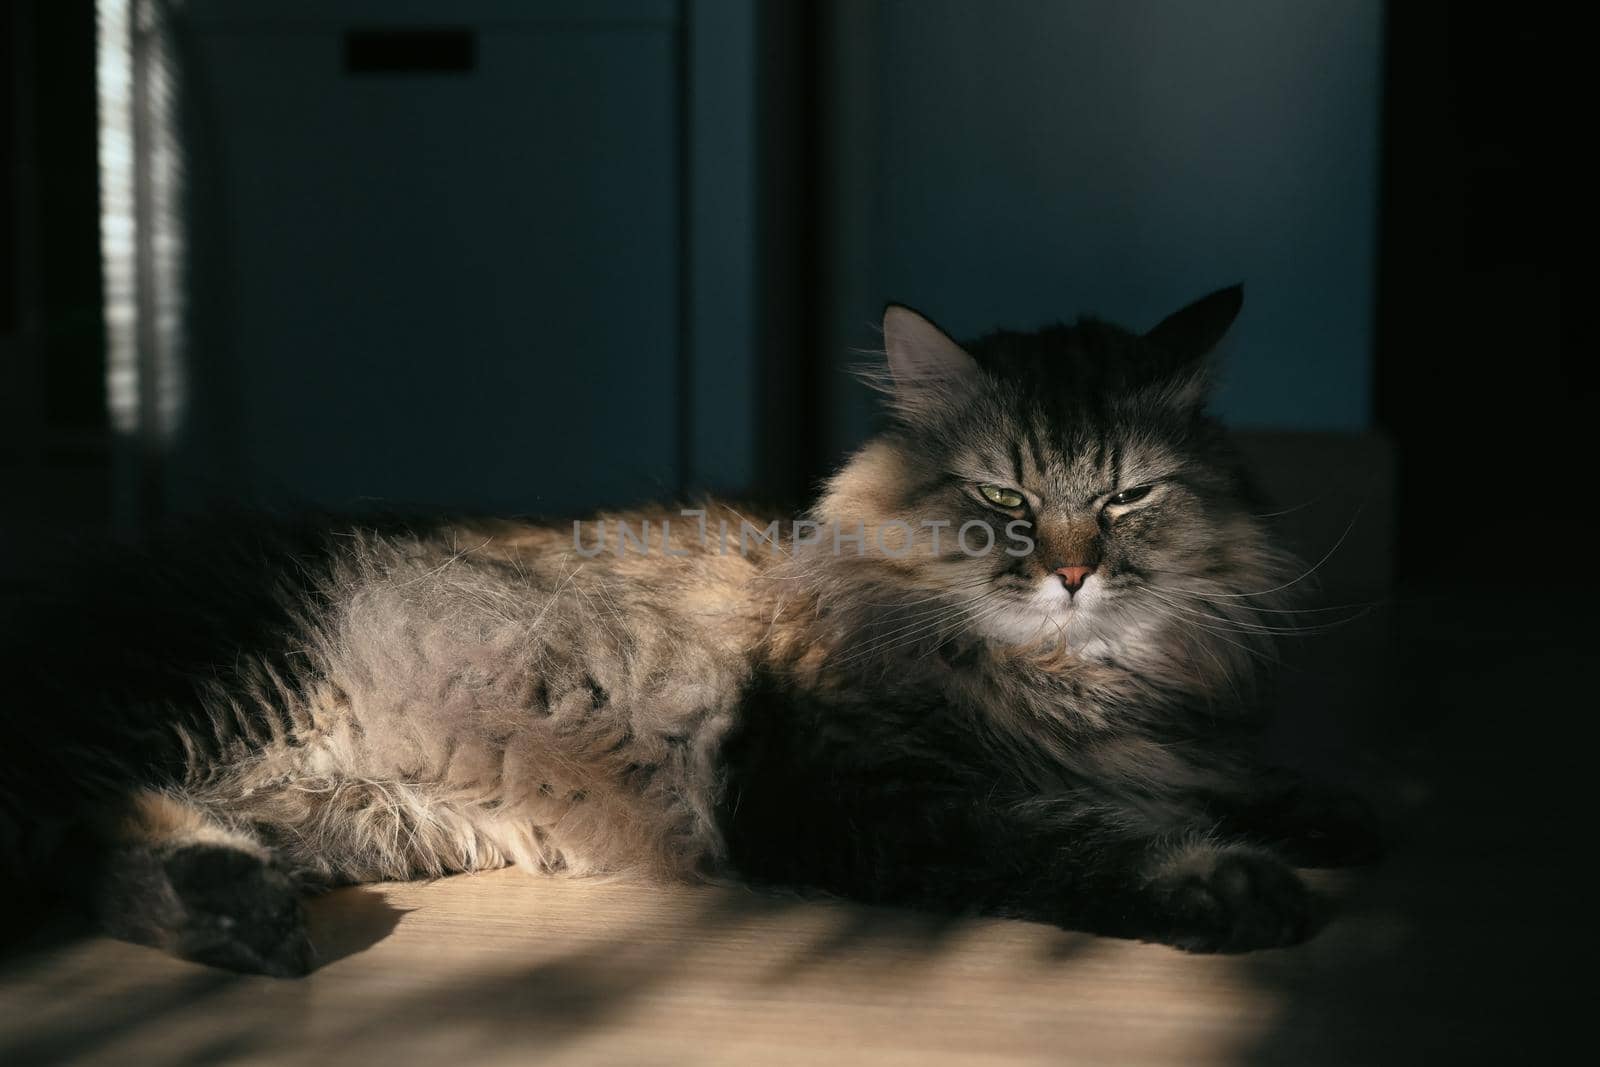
{"type": "Point", "coordinates": [1006, 665]}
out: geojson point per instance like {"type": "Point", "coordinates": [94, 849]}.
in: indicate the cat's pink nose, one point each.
{"type": "Point", "coordinates": [1074, 577]}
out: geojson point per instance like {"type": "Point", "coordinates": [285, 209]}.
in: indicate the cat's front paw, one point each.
{"type": "Point", "coordinates": [1211, 898]}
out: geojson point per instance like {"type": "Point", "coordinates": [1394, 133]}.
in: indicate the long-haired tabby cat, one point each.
{"type": "Point", "coordinates": [1001, 667]}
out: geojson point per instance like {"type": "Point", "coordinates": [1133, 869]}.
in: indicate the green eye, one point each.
{"type": "Point", "coordinates": [1000, 496]}
{"type": "Point", "coordinates": [1128, 496]}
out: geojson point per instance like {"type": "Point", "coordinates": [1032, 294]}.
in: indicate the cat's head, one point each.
{"type": "Point", "coordinates": [1102, 509]}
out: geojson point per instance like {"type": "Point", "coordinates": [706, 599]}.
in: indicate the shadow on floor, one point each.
{"type": "Point", "coordinates": [1458, 948]}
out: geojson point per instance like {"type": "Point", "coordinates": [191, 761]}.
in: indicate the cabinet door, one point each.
{"type": "Point", "coordinates": [455, 288]}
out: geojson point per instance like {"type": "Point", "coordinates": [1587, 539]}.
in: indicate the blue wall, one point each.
{"type": "Point", "coordinates": [459, 288]}
{"type": "Point", "coordinates": [1039, 160]}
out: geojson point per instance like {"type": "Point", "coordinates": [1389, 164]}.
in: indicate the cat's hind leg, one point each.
{"type": "Point", "coordinates": [176, 879]}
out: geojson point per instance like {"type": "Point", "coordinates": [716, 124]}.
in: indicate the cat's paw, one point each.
{"type": "Point", "coordinates": [236, 911]}
{"type": "Point", "coordinates": [1211, 898]}
{"type": "Point", "coordinates": [1323, 826]}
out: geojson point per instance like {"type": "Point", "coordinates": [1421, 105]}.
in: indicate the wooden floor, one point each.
{"type": "Point", "coordinates": [1456, 949]}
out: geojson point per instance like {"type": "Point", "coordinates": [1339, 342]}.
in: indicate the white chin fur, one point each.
{"type": "Point", "coordinates": [1049, 615]}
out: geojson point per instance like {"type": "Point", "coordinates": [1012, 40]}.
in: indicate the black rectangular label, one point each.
{"type": "Point", "coordinates": [410, 51]}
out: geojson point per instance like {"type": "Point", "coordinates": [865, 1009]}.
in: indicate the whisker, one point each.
{"type": "Point", "coordinates": [1228, 622]}
{"type": "Point", "coordinates": [1257, 625]}
{"type": "Point", "coordinates": [1310, 571]}
{"type": "Point", "coordinates": [1289, 510]}
{"type": "Point", "coordinates": [1201, 596]}
{"type": "Point", "coordinates": [910, 634]}
{"type": "Point", "coordinates": [1218, 634]}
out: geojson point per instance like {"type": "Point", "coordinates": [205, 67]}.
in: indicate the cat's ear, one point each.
{"type": "Point", "coordinates": [1184, 339]}
{"type": "Point", "coordinates": [928, 372]}
{"type": "Point", "coordinates": [1189, 335]}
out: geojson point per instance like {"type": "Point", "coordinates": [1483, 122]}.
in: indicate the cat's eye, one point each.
{"type": "Point", "coordinates": [1128, 496]}
{"type": "Point", "coordinates": [1000, 496]}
